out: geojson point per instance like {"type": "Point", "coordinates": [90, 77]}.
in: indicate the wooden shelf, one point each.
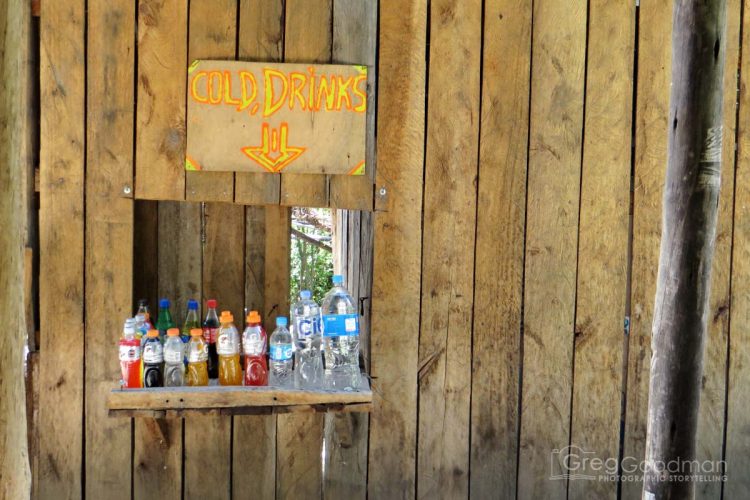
{"type": "Point", "coordinates": [165, 402]}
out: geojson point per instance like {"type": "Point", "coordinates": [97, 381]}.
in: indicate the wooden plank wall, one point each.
{"type": "Point", "coordinates": [521, 149]}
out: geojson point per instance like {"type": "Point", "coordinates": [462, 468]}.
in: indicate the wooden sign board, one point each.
{"type": "Point", "coordinates": [274, 117]}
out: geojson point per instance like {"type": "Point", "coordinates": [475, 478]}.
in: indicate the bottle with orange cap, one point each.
{"type": "Point", "coordinates": [197, 369]}
{"type": "Point", "coordinates": [153, 360]}
{"type": "Point", "coordinates": [254, 343]}
{"type": "Point", "coordinates": [228, 349]}
{"type": "Point", "coordinates": [174, 354]}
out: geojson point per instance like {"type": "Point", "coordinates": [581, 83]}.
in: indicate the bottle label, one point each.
{"type": "Point", "coordinates": [253, 343]}
{"type": "Point", "coordinates": [340, 325]}
{"type": "Point", "coordinates": [307, 327]}
{"type": "Point", "coordinates": [130, 352]}
{"type": "Point", "coordinates": [171, 356]}
{"type": "Point", "coordinates": [225, 346]}
{"type": "Point", "coordinates": [209, 334]}
{"type": "Point", "coordinates": [281, 352]}
{"type": "Point", "coordinates": [153, 352]}
{"type": "Point", "coordinates": [198, 354]}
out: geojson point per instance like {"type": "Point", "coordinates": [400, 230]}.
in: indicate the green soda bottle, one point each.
{"type": "Point", "coordinates": [164, 322]}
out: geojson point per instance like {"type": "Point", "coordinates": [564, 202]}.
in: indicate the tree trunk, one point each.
{"type": "Point", "coordinates": [691, 196]}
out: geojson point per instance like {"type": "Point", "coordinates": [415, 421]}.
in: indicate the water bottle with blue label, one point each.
{"type": "Point", "coordinates": [340, 338]}
{"type": "Point", "coordinates": [308, 363]}
{"type": "Point", "coordinates": [281, 351]}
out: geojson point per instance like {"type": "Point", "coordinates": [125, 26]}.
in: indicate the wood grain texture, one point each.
{"type": "Point", "coordinates": [307, 38]}
{"type": "Point", "coordinates": [109, 237]}
{"type": "Point", "coordinates": [397, 254]}
{"type": "Point", "coordinates": [16, 129]}
{"type": "Point", "coordinates": [212, 35]}
{"type": "Point", "coordinates": [652, 112]}
{"type": "Point", "coordinates": [738, 409]}
{"type": "Point", "coordinates": [556, 123]}
{"type": "Point", "coordinates": [146, 252]}
{"type": "Point", "coordinates": [447, 266]}
{"type": "Point", "coordinates": [499, 249]}
{"type": "Point", "coordinates": [160, 133]}
{"type": "Point", "coordinates": [355, 39]}
{"type": "Point", "coordinates": [603, 239]}
{"type": "Point", "coordinates": [61, 247]}
{"type": "Point", "coordinates": [261, 38]}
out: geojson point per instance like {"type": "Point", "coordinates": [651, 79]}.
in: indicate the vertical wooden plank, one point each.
{"type": "Point", "coordinates": [162, 66]}
{"type": "Point", "coordinates": [261, 38]}
{"type": "Point", "coordinates": [652, 112]}
{"type": "Point", "coordinates": [109, 237]}
{"type": "Point", "coordinates": [61, 292]}
{"type": "Point", "coordinates": [355, 35]}
{"type": "Point", "coordinates": [397, 254]}
{"type": "Point", "coordinates": [447, 260]}
{"type": "Point", "coordinates": [559, 43]}
{"type": "Point", "coordinates": [603, 239]}
{"type": "Point", "coordinates": [276, 285]}
{"type": "Point", "coordinates": [212, 35]}
{"type": "Point", "coordinates": [738, 398]}
{"type": "Point", "coordinates": [18, 428]}
{"type": "Point", "coordinates": [711, 416]}
{"type": "Point", "coordinates": [157, 460]}
{"type": "Point", "coordinates": [307, 38]}
{"type": "Point", "coordinates": [499, 249]}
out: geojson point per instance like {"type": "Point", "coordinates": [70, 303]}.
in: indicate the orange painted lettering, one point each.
{"type": "Point", "coordinates": [228, 99]}
{"type": "Point", "coordinates": [343, 93]}
{"type": "Point", "coordinates": [361, 93]}
{"type": "Point", "coordinates": [249, 89]}
{"type": "Point", "coordinates": [298, 83]}
{"type": "Point", "coordinates": [214, 91]}
{"type": "Point", "coordinates": [194, 87]}
{"type": "Point", "coordinates": [329, 89]}
{"type": "Point", "coordinates": [272, 101]}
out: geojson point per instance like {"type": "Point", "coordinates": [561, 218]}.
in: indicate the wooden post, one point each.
{"type": "Point", "coordinates": [690, 211]}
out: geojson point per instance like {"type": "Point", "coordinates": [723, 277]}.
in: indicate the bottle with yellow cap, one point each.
{"type": "Point", "coordinates": [174, 354]}
{"type": "Point", "coordinates": [197, 369]}
{"type": "Point", "coordinates": [228, 348]}
{"type": "Point", "coordinates": [153, 360]}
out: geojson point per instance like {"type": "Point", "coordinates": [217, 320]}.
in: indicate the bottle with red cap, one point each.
{"type": "Point", "coordinates": [210, 331]}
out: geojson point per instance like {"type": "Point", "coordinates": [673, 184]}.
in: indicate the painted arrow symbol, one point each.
{"type": "Point", "coordinates": [274, 153]}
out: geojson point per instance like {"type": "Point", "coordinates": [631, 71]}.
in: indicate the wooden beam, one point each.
{"type": "Point", "coordinates": [311, 240]}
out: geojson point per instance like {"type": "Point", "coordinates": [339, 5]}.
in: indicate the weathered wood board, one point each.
{"type": "Point", "coordinates": [274, 117]}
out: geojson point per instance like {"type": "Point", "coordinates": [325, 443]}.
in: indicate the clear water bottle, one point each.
{"type": "Point", "coordinates": [280, 369]}
{"type": "Point", "coordinates": [340, 338]}
{"type": "Point", "coordinates": [174, 355]}
{"type": "Point", "coordinates": [308, 364]}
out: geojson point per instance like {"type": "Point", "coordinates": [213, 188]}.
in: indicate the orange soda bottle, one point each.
{"type": "Point", "coordinates": [197, 369]}
{"type": "Point", "coordinates": [228, 348]}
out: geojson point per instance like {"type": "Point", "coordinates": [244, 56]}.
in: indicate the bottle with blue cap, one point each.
{"type": "Point", "coordinates": [340, 338]}
{"type": "Point", "coordinates": [164, 322]}
{"type": "Point", "coordinates": [281, 351]}
{"type": "Point", "coordinates": [308, 363]}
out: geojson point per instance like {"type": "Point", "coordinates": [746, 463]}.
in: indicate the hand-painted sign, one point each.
{"type": "Point", "coordinates": [272, 117]}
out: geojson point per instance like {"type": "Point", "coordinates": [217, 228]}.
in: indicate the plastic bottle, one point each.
{"type": "Point", "coordinates": [281, 349]}
{"type": "Point", "coordinates": [130, 356]}
{"type": "Point", "coordinates": [164, 322]}
{"type": "Point", "coordinates": [210, 331]}
{"type": "Point", "coordinates": [174, 356]}
{"type": "Point", "coordinates": [197, 369]}
{"type": "Point", "coordinates": [254, 343]}
{"type": "Point", "coordinates": [308, 364]}
{"type": "Point", "coordinates": [141, 326]}
{"type": "Point", "coordinates": [153, 360]}
{"type": "Point", "coordinates": [340, 338]}
{"type": "Point", "coordinates": [191, 320]}
{"type": "Point", "coordinates": [228, 348]}
{"type": "Point", "coordinates": [142, 307]}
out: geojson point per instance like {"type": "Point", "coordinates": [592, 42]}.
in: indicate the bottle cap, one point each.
{"type": "Point", "coordinates": [173, 332]}
{"type": "Point", "coordinates": [196, 332]}
{"type": "Point", "coordinates": [281, 321]}
{"type": "Point", "coordinates": [226, 317]}
{"type": "Point", "coordinates": [142, 302]}
{"type": "Point", "coordinates": [152, 334]}
{"type": "Point", "coordinates": [211, 303]}
{"type": "Point", "coordinates": [338, 279]}
{"type": "Point", "coordinates": [192, 305]}
{"type": "Point", "coordinates": [164, 303]}
{"type": "Point", "coordinates": [305, 294]}
{"type": "Point", "coordinates": [253, 317]}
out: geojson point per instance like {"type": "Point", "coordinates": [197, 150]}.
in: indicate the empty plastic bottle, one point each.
{"type": "Point", "coordinates": [254, 343]}
{"type": "Point", "coordinates": [164, 322]}
{"type": "Point", "coordinates": [308, 363]}
{"type": "Point", "coordinates": [153, 360]}
{"type": "Point", "coordinates": [197, 369]}
{"type": "Point", "coordinates": [228, 348]}
{"type": "Point", "coordinates": [143, 307]}
{"type": "Point", "coordinates": [340, 338]}
{"type": "Point", "coordinates": [281, 355]}
{"type": "Point", "coordinates": [210, 331]}
{"type": "Point", "coordinates": [130, 356]}
{"type": "Point", "coordinates": [174, 359]}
